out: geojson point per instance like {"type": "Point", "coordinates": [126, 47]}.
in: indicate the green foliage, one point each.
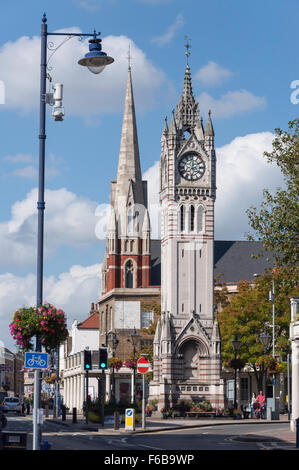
{"type": "Point", "coordinates": [249, 314]}
{"type": "Point", "coordinates": [276, 223]}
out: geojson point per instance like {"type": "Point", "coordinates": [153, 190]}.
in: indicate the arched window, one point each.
{"type": "Point", "coordinates": [129, 271]}
{"type": "Point", "coordinates": [130, 221]}
{"type": "Point", "coordinates": [192, 214]}
{"type": "Point", "coordinates": [200, 213]}
{"type": "Point", "coordinates": [182, 218]}
{"type": "Point", "coordinates": [136, 221]}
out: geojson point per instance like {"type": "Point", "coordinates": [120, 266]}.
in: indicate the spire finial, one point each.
{"type": "Point", "coordinates": [44, 18]}
{"type": "Point", "coordinates": [187, 46]}
{"type": "Point", "coordinates": [129, 57]}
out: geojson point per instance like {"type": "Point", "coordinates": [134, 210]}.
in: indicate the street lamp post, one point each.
{"type": "Point", "coordinates": [272, 299]}
{"type": "Point", "coordinates": [95, 60]}
{"type": "Point", "coordinates": [266, 341]}
{"type": "Point", "coordinates": [113, 341]}
{"type": "Point", "coordinates": [236, 346]}
{"type": "Point", "coordinates": [134, 338]}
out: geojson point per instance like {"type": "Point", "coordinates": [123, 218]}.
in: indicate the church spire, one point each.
{"type": "Point", "coordinates": [187, 109]}
{"type": "Point", "coordinates": [129, 160]}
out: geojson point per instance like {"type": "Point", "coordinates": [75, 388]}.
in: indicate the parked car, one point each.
{"type": "Point", "coordinates": [12, 404]}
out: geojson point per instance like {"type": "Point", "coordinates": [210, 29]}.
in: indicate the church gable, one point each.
{"type": "Point", "coordinates": [193, 330]}
{"type": "Point", "coordinates": [192, 144]}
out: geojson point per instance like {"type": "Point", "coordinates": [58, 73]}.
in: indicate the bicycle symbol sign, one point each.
{"type": "Point", "coordinates": [36, 360]}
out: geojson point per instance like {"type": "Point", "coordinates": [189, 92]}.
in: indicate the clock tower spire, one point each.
{"type": "Point", "coordinates": [187, 197]}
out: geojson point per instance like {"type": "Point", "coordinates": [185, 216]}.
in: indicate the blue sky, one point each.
{"type": "Point", "coordinates": [243, 60]}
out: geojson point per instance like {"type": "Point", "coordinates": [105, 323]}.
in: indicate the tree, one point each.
{"type": "Point", "coordinates": [249, 314]}
{"type": "Point", "coordinates": [276, 223]}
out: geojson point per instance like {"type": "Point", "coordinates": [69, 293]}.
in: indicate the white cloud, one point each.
{"type": "Point", "coordinates": [73, 291]}
{"type": "Point", "coordinates": [85, 94]}
{"type": "Point", "coordinates": [231, 104]}
{"type": "Point", "coordinates": [18, 158]}
{"type": "Point", "coordinates": [212, 74]}
{"type": "Point", "coordinates": [89, 5]}
{"type": "Point", "coordinates": [31, 171]}
{"type": "Point", "coordinates": [69, 220]}
{"type": "Point", "coordinates": [167, 37]}
{"type": "Point", "coordinates": [242, 174]}
{"type": "Point", "coordinates": [26, 172]}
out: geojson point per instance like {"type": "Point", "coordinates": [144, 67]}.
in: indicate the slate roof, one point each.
{"type": "Point", "coordinates": [91, 322]}
{"type": "Point", "coordinates": [232, 260]}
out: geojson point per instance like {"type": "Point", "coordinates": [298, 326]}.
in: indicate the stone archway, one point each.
{"type": "Point", "coordinates": [190, 351]}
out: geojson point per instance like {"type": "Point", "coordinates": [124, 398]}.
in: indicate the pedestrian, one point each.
{"type": "Point", "coordinates": [253, 400]}
{"type": "Point", "coordinates": [23, 406]}
{"type": "Point", "coordinates": [261, 399]}
{"type": "Point", "coordinates": [28, 408]}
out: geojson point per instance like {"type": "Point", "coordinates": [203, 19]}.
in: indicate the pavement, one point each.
{"type": "Point", "coordinates": [154, 424]}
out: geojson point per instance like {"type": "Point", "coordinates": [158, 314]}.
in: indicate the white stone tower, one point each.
{"type": "Point", "coordinates": [187, 345]}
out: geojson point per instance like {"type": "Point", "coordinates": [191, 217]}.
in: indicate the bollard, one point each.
{"type": "Point", "coordinates": [297, 433]}
{"type": "Point", "coordinates": [74, 415]}
{"type": "Point", "coordinates": [54, 412]}
{"type": "Point", "coordinates": [63, 412]}
{"type": "Point", "coordinates": [45, 445]}
{"type": "Point", "coordinates": [47, 411]}
{"type": "Point", "coordinates": [116, 420]}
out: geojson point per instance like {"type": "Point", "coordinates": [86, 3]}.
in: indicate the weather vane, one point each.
{"type": "Point", "coordinates": [187, 46]}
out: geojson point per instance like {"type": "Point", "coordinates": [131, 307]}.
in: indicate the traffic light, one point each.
{"type": "Point", "coordinates": [103, 358]}
{"type": "Point", "coordinates": [87, 359]}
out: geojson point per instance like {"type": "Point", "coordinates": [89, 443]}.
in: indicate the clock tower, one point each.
{"type": "Point", "coordinates": [187, 345]}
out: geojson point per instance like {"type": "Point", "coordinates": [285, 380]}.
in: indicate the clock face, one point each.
{"type": "Point", "coordinates": [191, 167]}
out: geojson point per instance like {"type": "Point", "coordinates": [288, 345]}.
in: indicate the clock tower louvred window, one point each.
{"type": "Point", "coordinates": [129, 271]}
{"type": "Point", "coordinates": [182, 218]}
{"type": "Point", "coordinates": [192, 215]}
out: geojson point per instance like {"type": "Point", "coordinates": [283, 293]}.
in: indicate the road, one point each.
{"type": "Point", "coordinates": [222, 437]}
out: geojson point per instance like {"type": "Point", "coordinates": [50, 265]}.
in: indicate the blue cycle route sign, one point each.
{"type": "Point", "coordinates": [36, 360]}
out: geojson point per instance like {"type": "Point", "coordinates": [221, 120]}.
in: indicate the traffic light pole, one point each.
{"type": "Point", "coordinates": [103, 396]}
{"type": "Point", "coordinates": [86, 406]}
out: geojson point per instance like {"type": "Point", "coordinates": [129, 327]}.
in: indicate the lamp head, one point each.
{"type": "Point", "coordinates": [95, 60]}
{"type": "Point", "coordinates": [236, 344]}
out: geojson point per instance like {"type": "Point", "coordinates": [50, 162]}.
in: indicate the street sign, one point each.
{"type": "Point", "coordinates": [130, 419]}
{"type": "Point", "coordinates": [36, 360]}
{"type": "Point", "coordinates": [143, 365]}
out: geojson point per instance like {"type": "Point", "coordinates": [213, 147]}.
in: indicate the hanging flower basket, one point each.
{"type": "Point", "coordinates": [50, 379]}
{"type": "Point", "coordinates": [268, 363]}
{"type": "Point", "coordinates": [114, 363]}
{"type": "Point", "coordinates": [130, 363]}
{"type": "Point", "coordinates": [46, 321]}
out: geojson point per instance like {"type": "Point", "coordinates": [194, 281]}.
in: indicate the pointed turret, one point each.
{"type": "Point", "coordinates": [199, 129]}
{"type": "Point", "coordinates": [209, 133]}
{"type": "Point", "coordinates": [165, 130]}
{"type": "Point", "coordinates": [187, 109]}
{"type": "Point", "coordinates": [173, 127]}
{"type": "Point", "coordinates": [209, 130]}
{"type": "Point", "coordinates": [216, 338]}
